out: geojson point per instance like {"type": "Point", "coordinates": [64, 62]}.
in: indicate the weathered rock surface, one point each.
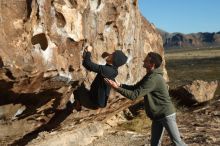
{"type": "Point", "coordinates": [41, 45]}
{"type": "Point", "coordinates": [196, 92]}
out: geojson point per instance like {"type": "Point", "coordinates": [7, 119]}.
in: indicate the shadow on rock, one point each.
{"type": "Point", "coordinates": [59, 117]}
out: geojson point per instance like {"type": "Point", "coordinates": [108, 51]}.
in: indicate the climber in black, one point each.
{"type": "Point", "coordinates": [99, 90]}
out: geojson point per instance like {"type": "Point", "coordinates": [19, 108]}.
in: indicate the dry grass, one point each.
{"type": "Point", "coordinates": [182, 54]}
{"type": "Point", "coordinates": [140, 123]}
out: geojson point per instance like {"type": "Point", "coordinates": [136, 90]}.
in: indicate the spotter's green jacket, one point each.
{"type": "Point", "coordinates": [154, 89]}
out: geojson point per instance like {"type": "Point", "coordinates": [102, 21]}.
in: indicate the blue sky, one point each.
{"type": "Point", "coordinates": [185, 16]}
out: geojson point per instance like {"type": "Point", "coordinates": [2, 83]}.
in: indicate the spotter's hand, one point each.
{"type": "Point", "coordinates": [112, 83]}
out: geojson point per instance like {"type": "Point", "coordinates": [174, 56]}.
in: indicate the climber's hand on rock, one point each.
{"type": "Point", "coordinates": [88, 49]}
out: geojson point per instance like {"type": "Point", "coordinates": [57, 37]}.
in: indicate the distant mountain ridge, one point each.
{"type": "Point", "coordinates": [192, 40]}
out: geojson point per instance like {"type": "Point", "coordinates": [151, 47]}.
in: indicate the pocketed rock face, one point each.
{"type": "Point", "coordinates": [41, 45]}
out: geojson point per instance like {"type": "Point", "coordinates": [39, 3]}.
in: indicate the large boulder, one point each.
{"type": "Point", "coordinates": [198, 91]}
{"type": "Point", "coordinates": [41, 49]}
